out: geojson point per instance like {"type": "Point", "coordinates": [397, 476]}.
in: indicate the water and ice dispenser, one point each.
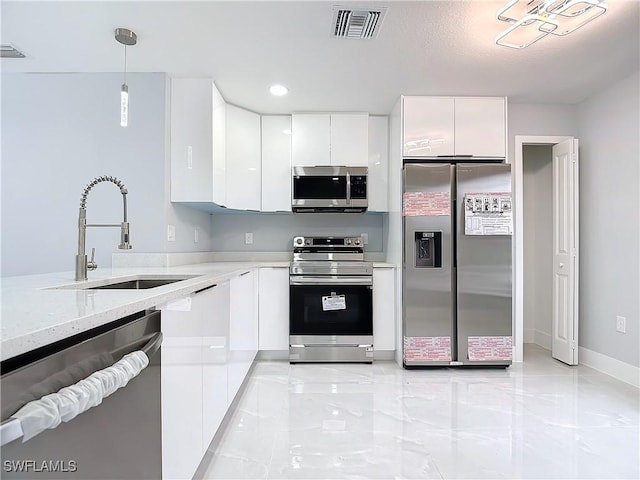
{"type": "Point", "coordinates": [428, 249]}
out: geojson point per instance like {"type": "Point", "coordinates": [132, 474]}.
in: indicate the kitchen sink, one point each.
{"type": "Point", "coordinates": [139, 282]}
{"type": "Point", "coordinates": [136, 284]}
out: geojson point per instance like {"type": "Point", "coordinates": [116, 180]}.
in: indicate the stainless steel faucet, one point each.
{"type": "Point", "coordinates": [81, 258]}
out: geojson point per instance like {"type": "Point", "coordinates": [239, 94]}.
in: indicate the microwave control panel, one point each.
{"type": "Point", "coordinates": [358, 186]}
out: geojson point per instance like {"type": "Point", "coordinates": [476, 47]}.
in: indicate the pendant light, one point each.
{"type": "Point", "coordinates": [127, 38]}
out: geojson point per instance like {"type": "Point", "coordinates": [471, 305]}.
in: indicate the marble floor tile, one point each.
{"type": "Point", "coordinates": [538, 419]}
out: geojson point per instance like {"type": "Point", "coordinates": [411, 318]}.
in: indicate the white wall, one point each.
{"type": "Point", "coordinates": [609, 220]}
{"type": "Point", "coordinates": [59, 131]}
{"type": "Point", "coordinates": [537, 178]}
{"type": "Point", "coordinates": [274, 232]}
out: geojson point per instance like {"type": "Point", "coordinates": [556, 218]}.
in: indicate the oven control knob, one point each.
{"type": "Point", "coordinates": [307, 241]}
{"type": "Point", "coordinates": [298, 241]}
{"type": "Point", "coordinates": [348, 241]}
{"type": "Point", "coordinates": [357, 241]}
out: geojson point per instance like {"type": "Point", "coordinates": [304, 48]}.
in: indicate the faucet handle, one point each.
{"type": "Point", "coordinates": [91, 264]}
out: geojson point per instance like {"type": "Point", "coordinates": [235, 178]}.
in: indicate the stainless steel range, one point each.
{"type": "Point", "coordinates": [330, 309]}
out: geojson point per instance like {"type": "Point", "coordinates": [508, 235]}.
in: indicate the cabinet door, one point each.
{"type": "Point", "coordinates": [480, 126]}
{"type": "Point", "coordinates": [191, 140]}
{"type": "Point", "coordinates": [276, 163]}
{"type": "Point", "coordinates": [427, 126]}
{"type": "Point", "coordinates": [243, 159]}
{"type": "Point", "coordinates": [384, 309]}
{"type": "Point", "coordinates": [181, 381]}
{"type": "Point", "coordinates": [350, 139]}
{"type": "Point", "coordinates": [310, 139]}
{"type": "Point", "coordinates": [273, 309]}
{"type": "Point", "coordinates": [243, 330]}
{"type": "Point", "coordinates": [377, 184]}
{"type": "Point", "coordinates": [215, 345]}
{"type": "Point", "coordinates": [219, 147]}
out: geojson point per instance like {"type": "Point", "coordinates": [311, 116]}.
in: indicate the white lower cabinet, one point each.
{"type": "Point", "coordinates": [243, 330]}
{"type": "Point", "coordinates": [210, 340]}
{"type": "Point", "coordinates": [273, 308]}
{"type": "Point", "coordinates": [384, 309]}
{"type": "Point", "coordinates": [215, 350]}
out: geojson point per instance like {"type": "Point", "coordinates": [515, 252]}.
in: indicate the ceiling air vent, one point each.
{"type": "Point", "coordinates": [363, 23]}
{"type": "Point", "coordinates": [9, 51]}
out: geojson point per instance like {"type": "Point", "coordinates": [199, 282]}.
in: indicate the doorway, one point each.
{"type": "Point", "coordinates": [537, 182]}
{"type": "Point", "coordinates": [539, 326]}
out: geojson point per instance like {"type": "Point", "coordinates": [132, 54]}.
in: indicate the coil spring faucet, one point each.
{"type": "Point", "coordinates": [82, 265]}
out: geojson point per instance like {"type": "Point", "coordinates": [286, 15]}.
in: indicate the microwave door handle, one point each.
{"type": "Point", "coordinates": [348, 188]}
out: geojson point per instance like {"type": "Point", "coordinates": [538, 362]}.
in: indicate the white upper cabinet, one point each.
{"type": "Point", "coordinates": [329, 139]}
{"type": "Point", "coordinates": [481, 126]}
{"type": "Point", "coordinates": [428, 125]}
{"type": "Point", "coordinates": [377, 183]}
{"type": "Point", "coordinates": [349, 139]}
{"type": "Point", "coordinates": [310, 139]}
{"type": "Point", "coordinates": [197, 141]}
{"type": "Point", "coordinates": [448, 126]}
{"type": "Point", "coordinates": [219, 148]}
{"type": "Point", "coordinates": [276, 163]}
{"type": "Point", "coordinates": [243, 176]}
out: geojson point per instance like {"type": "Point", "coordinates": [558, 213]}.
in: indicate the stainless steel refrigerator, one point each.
{"type": "Point", "coordinates": [457, 284]}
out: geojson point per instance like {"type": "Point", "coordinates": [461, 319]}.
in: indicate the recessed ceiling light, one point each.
{"type": "Point", "coordinates": [278, 90]}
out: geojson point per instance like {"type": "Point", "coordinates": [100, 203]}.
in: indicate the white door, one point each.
{"type": "Point", "coordinates": [564, 341]}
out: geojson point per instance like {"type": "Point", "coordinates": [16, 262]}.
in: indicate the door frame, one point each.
{"type": "Point", "coordinates": [518, 233]}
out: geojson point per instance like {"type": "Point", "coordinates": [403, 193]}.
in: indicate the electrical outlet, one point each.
{"type": "Point", "coordinates": [365, 238]}
{"type": "Point", "coordinates": [248, 238]}
{"type": "Point", "coordinates": [190, 157]}
{"type": "Point", "coordinates": [195, 235]}
{"type": "Point", "coordinates": [171, 233]}
{"type": "Point", "coordinates": [621, 324]}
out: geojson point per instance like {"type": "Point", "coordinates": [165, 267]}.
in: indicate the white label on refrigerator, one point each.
{"type": "Point", "coordinates": [426, 204]}
{"type": "Point", "coordinates": [490, 348]}
{"type": "Point", "coordinates": [488, 214]}
{"type": "Point", "coordinates": [334, 302]}
{"type": "Point", "coordinates": [427, 349]}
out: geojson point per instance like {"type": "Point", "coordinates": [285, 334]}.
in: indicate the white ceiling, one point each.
{"type": "Point", "coordinates": [424, 47]}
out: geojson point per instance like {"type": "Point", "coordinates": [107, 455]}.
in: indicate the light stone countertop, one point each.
{"type": "Point", "coordinates": [33, 315]}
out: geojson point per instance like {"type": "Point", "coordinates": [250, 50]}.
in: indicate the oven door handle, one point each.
{"type": "Point", "coordinates": [305, 280]}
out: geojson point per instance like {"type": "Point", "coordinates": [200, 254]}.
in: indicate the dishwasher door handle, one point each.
{"type": "Point", "coordinates": [11, 429]}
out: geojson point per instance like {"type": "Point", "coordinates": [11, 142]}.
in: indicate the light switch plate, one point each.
{"type": "Point", "coordinates": [621, 324]}
{"type": "Point", "coordinates": [248, 238]}
{"type": "Point", "coordinates": [171, 233]}
{"type": "Point", "coordinates": [365, 238]}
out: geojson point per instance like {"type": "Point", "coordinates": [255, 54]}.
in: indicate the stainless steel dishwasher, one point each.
{"type": "Point", "coordinates": [121, 438]}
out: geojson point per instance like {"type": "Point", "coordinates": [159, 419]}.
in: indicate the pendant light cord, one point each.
{"type": "Point", "coordinates": [125, 64]}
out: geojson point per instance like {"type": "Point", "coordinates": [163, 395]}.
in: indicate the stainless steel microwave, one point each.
{"type": "Point", "coordinates": [329, 189]}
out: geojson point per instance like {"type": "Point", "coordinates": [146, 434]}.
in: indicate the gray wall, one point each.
{"type": "Point", "coordinates": [58, 132]}
{"type": "Point", "coordinates": [540, 119]}
{"type": "Point", "coordinates": [274, 232]}
{"type": "Point", "coordinates": [537, 178]}
{"type": "Point", "coordinates": [609, 221]}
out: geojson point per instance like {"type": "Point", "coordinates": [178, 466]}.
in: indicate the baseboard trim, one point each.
{"type": "Point", "coordinates": [612, 367]}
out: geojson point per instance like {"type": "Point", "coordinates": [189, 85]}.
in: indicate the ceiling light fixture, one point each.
{"type": "Point", "coordinates": [534, 19]}
{"type": "Point", "coordinates": [278, 90]}
{"type": "Point", "coordinates": [127, 38]}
